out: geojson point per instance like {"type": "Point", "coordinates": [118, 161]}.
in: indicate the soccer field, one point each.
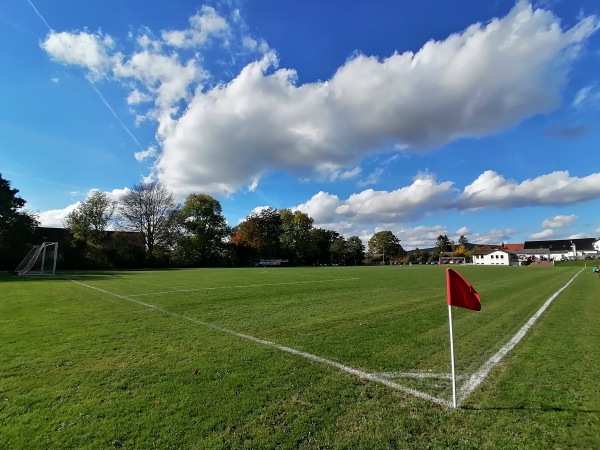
{"type": "Point", "coordinates": [327, 357]}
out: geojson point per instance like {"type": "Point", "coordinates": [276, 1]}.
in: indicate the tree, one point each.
{"type": "Point", "coordinates": [296, 229]}
{"type": "Point", "coordinates": [462, 240]}
{"type": "Point", "coordinates": [88, 224]}
{"type": "Point", "coordinates": [443, 243]}
{"type": "Point", "coordinates": [261, 231]}
{"type": "Point", "coordinates": [386, 244]}
{"type": "Point", "coordinates": [204, 230]}
{"type": "Point", "coordinates": [322, 240]}
{"type": "Point", "coordinates": [150, 209]}
{"type": "Point", "coordinates": [17, 226]}
{"type": "Point", "coordinates": [91, 219]}
{"type": "Point", "coordinates": [356, 250]}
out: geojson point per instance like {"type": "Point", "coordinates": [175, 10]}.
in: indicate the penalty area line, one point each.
{"type": "Point", "coordinates": [478, 377]}
{"type": "Point", "coordinates": [342, 367]}
{"type": "Point", "coordinates": [242, 286]}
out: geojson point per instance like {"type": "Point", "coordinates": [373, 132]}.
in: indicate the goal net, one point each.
{"type": "Point", "coordinates": [452, 260]}
{"type": "Point", "coordinates": [41, 260]}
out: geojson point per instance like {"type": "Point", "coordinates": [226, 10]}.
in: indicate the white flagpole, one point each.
{"type": "Point", "coordinates": [452, 357]}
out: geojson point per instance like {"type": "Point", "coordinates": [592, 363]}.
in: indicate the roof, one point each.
{"type": "Point", "coordinates": [563, 245]}
{"type": "Point", "coordinates": [487, 251]}
{"type": "Point", "coordinates": [513, 246]}
{"type": "Point", "coordinates": [533, 251]}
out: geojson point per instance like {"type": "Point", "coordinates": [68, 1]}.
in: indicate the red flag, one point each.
{"type": "Point", "coordinates": [460, 292]}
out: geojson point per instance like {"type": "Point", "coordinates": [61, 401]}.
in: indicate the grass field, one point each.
{"type": "Point", "coordinates": [296, 358]}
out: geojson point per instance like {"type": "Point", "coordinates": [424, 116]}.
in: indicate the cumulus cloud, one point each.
{"type": "Point", "coordinates": [88, 50]}
{"type": "Point", "coordinates": [218, 138]}
{"type": "Point", "coordinates": [559, 221]}
{"type": "Point", "coordinates": [556, 188]}
{"type": "Point", "coordinates": [546, 234]}
{"type": "Point", "coordinates": [370, 206]}
{"type": "Point", "coordinates": [203, 26]}
{"type": "Point", "coordinates": [148, 153]}
{"type": "Point", "coordinates": [263, 120]}
{"type": "Point", "coordinates": [55, 218]}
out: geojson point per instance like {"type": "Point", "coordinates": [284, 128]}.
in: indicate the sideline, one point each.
{"type": "Point", "coordinates": [478, 377]}
{"type": "Point", "coordinates": [356, 372]}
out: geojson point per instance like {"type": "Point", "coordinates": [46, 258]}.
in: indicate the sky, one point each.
{"type": "Point", "coordinates": [475, 118]}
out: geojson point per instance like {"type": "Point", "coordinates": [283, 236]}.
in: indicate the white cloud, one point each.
{"type": "Point", "coordinates": [321, 207]}
{"type": "Point", "coordinates": [559, 221]}
{"type": "Point", "coordinates": [203, 26]}
{"type": "Point", "coordinates": [370, 206]}
{"type": "Point", "coordinates": [136, 97]}
{"type": "Point", "coordinates": [556, 188]}
{"type": "Point", "coordinates": [165, 77]}
{"type": "Point", "coordinates": [55, 218]}
{"type": "Point", "coordinates": [83, 49]}
{"type": "Point", "coordinates": [148, 153]}
{"type": "Point", "coordinates": [542, 235]}
{"type": "Point", "coordinates": [262, 120]}
{"type": "Point", "coordinates": [372, 178]}
{"type": "Point", "coordinates": [404, 204]}
{"type": "Point", "coordinates": [587, 95]}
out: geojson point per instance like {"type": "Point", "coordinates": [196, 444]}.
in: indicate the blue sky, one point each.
{"type": "Point", "coordinates": [422, 118]}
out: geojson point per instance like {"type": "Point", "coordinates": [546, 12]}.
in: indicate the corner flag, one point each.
{"type": "Point", "coordinates": [460, 293]}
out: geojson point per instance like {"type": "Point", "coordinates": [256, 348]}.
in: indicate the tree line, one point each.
{"type": "Point", "coordinates": [147, 227]}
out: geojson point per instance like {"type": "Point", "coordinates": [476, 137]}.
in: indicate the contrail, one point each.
{"type": "Point", "coordinates": [110, 108]}
{"type": "Point", "coordinates": [40, 15]}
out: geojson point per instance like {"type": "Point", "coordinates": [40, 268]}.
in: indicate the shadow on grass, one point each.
{"type": "Point", "coordinates": [531, 409]}
{"type": "Point", "coordinates": [63, 276]}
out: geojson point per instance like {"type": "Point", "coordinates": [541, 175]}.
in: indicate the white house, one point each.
{"type": "Point", "coordinates": [495, 258]}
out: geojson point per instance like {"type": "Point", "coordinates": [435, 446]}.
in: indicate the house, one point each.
{"type": "Point", "coordinates": [495, 257]}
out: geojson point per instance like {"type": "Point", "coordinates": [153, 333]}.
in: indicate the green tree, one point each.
{"type": "Point", "coordinates": [204, 230]}
{"type": "Point", "coordinates": [356, 251]}
{"type": "Point", "coordinates": [386, 244]}
{"type": "Point", "coordinates": [261, 231]}
{"type": "Point", "coordinates": [88, 225]}
{"type": "Point", "coordinates": [17, 226]}
{"type": "Point", "coordinates": [347, 252]}
{"type": "Point", "coordinates": [150, 209]}
{"type": "Point", "coordinates": [322, 240]}
{"type": "Point", "coordinates": [443, 243]}
{"type": "Point", "coordinates": [462, 240]}
{"type": "Point", "coordinates": [296, 229]}
{"type": "Point", "coordinates": [90, 221]}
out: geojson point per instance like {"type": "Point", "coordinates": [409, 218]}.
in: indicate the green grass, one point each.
{"type": "Point", "coordinates": [84, 368]}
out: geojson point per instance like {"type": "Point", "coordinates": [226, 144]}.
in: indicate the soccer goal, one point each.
{"type": "Point", "coordinates": [41, 260]}
{"type": "Point", "coordinates": [452, 260]}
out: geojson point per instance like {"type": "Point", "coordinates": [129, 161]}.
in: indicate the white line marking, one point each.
{"type": "Point", "coordinates": [477, 378]}
{"type": "Point", "coordinates": [242, 286]}
{"type": "Point", "coordinates": [337, 365]}
{"type": "Point", "coordinates": [418, 375]}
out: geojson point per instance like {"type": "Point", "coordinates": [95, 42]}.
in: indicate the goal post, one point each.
{"type": "Point", "coordinates": [41, 260]}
